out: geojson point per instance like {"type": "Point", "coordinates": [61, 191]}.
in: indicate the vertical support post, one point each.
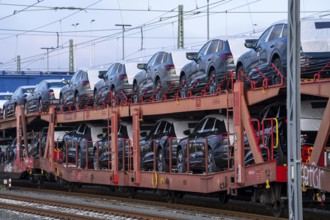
{"type": "Point", "coordinates": [71, 56]}
{"type": "Point", "coordinates": [208, 21]}
{"type": "Point", "coordinates": [114, 145]}
{"type": "Point", "coordinates": [293, 112]}
{"type": "Point", "coordinates": [18, 61]}
{"type": "Point", "coordinates": [238, 130]}
{"type": "Point", "coordinates": [136, 145]}
{"type": "Point", "coordinates": [180, 28]}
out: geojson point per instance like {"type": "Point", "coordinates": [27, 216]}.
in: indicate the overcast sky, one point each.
{"type": "Point", "coordinates": [27, 26]}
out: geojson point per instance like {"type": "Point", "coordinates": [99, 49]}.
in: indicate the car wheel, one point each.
{"type": "Point", "coordinates": [113, 98]}
{"type": "Point", "coordinates": [159, 94]}
{"type": "Point", "coordinates": [181, 162]}
{"type": "Point", "coordinates": [184, 86]}
{"type": "Point", "coordinates": [211, 162]}
{"type": "Point", "coordinates": [161, 164]}
{"type": "Point", "coordinates": [214, 82]}
{"type": "Point", "coordinates": [276, 79]}
{"type": "Point", "coordinates": [76, 101]}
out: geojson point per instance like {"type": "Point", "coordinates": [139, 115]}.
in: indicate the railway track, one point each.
{"type": "Point", "coordinates": [68, 210]}
{"type": "Point", "coordinates": [241, 211]}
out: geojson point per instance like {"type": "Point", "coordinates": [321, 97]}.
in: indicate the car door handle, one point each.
{"type": "Point", "coordinates": [209, 59]}
{"type": "Point", "coordinates": [272, 46]}
{"type": "Point", "coordinates": [155, 69]}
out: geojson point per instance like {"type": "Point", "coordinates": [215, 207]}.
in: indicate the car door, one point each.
{"type": "Point", "coordinates": [195, 138]}
{"type": "Point", "coordinates": [195, 70]}
{"type": "Point", "coordinates": [113, 76]}
{"type": "Point", "coordinates": [35, 95]}
{"type": "Point", "coordinates": [68, 90]}
{"type": "Point", "coordinates": [104, 90]}
{"type": "Point", "coordinates": [207, 59]}
{"type": "Point", "coordinates": [254, 57]}
{"type": "Point", "coordinates": [147, 78]}
{"type": "Point", "coordinates": [270, 45]}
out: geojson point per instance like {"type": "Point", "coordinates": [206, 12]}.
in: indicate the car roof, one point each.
{"type": "Point", "coordinates": [224, 119]}
{"type": "Point", "coordinates": [51, 80]}
{"type": "Point", "coordinates": [26, 87]}
{"type": "Point", "coordinates": [180, 125]}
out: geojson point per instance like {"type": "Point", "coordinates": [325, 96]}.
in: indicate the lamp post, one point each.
{"type": "Point", "coordinates": [75, 45]}
{"type": "Point", "coordinates": [123, 26]}
{"type": "Point", "coordinates": [91, 46]}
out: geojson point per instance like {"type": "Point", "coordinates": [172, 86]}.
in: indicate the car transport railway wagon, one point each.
{"type": "Point", "coordinates": [241, 153]}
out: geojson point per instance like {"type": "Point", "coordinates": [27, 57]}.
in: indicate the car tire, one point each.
{"type": "Point", "coordinates": [181, 162]}
{"type": "Point", "coordinates": [161, 163]}
{"type": "Point", "coordinates": [214, 84]}
{"type": "Point", "coordinates": [211, 162]}
{"type": "Point", "coordinates": [184, 88]}
{"type": "Point", "coordinates": [76, 101]}
{"type": "Point", "coordinates": [276, 79]}
{"type": "Point", "coordinates": [158, 95]}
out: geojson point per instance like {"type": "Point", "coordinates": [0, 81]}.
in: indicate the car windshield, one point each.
{"type": "Point", "coordinates": [55, 85]}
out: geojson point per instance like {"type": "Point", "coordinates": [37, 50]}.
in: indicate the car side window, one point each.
{"type": "Point", "coordinates": [114, 69]}
{"type": "Point", "coordinates": [159, 59]}
{"type": "Point", "coordinates": [220, 127]}
{"type": "Point", "coordinates": [285, 31]}
{"type": "Point", "coordinates": [209, 125]}
{"type": "Point", "coordinates": [276, 32]}
{"type": "Point", "coordinates": [213, 47]}
{"type": "Point", "coordinates": [81, 129]}
{"type": "Point", "coordinates": [263, 37]}
{"type": "Point", "coordinates": [202, 51]}
{"type": "Point", "coordinates": [110, 69]}
{"type": "Point", "coordinates": [152, 60]}
{"type": "Point", "coordinates": [161, 127]}
{"type": "Point", "coordinates": [219, 46]}
{"type": "Point", "coordinates": [200, 126]}
{"type": "Point", "coordinates": [120, 67]}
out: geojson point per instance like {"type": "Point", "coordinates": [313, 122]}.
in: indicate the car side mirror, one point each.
{"type": "Point", "coordinates": [65, 81]}
{"type": "Point", "coordinates": [101, 74]}
{"type": "Point", "coordinates": [250, 43]}
{"type": "Point", "coordinates": [191, 55]}
{"type": "Point", "coordinates": [99, 136]}
{"type": "Point", "coordinates": [143, 134]}
{"type": "Point", "coordinates": [187, 132]}
{"type": "Point", "coordinates": [142, 66]}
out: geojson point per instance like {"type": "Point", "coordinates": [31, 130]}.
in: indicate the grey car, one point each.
{"type": "Point", "coordinates": [210, 66]}
{"type": "Point", "coordinates": [47, 92]}
{"type": "Point", "coordinates": [18, 98]}
{"type": "Point", "coordinates": [118, 81]}
{"type": "Point", "coordinates": [271, 50]}
{"type": "Point", "coordinates": [158, 74]}
{"type": "Point", "coordinates": [79, 90]}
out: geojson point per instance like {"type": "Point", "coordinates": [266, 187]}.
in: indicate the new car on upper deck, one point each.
{"type": "Point", "coordinates": [213, 62]}
{"type": "Point", "coordinates": [79, 90]}
{"type": "Point", "coordinates": [46, 92]}
{"type": "Point", "coordinates": [118, 81]}
{"type": "Point", "coordinates": [161, 71]}
{"type": "Point", "coordinates": [271, 48]}
{"type": "Point", "coordinates": [18, 98]}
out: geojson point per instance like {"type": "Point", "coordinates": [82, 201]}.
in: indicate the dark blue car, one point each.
{"type": "Point", "coordinates": [214, 60]}
{"type": "Point", "coordinates": [271, 48]}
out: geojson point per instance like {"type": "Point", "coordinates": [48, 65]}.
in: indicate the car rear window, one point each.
{"type": "Point", "coordinates": [322, 25]}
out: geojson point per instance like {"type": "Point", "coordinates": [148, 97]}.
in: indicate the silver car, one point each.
{"type": "Point", "coordinates": [118, 80]}
{"type": "Point", "coordinates": [158, 74]}
{"type": "Point", "coordinates": [47, 92]}
{"type": "Point", "coordinates": [79, 90]}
